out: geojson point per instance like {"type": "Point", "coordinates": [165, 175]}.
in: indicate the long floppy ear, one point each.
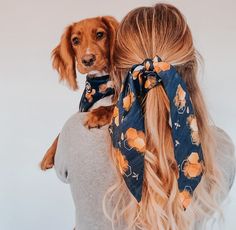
{"type": "Point", "coordinates": [63, 59]}
{"type": "Point", "coordinates": [112, 25]}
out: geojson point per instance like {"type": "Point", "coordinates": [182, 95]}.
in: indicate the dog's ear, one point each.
{"type": "Point", "coordinates": [63, 59]}
{"type": "Point", "coordinates": [112, 25]}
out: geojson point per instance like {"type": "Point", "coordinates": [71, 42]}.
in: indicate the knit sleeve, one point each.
{"type": "Point", "coordinates": [225, 155]}
{"type": "Point", "coordinates": [62, 157]}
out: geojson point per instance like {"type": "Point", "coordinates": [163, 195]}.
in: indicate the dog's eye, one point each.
{"type": "Point", "coordinates": [75, 41]}
{"type": "Point", "coordinates": [100, 35]}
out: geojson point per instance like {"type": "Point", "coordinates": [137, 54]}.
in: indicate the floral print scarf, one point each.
{"type": "Point", "coordinates": [128, 132]}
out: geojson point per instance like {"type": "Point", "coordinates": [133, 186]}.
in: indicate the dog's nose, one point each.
{"type": "Point", "coordinates": [88, 59]}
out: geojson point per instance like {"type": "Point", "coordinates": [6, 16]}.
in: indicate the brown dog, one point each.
{"type": "Point", "coordinates": [87, 45]}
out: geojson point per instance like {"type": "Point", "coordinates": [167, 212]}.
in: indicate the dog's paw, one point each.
{"type": "Point", "coordinates": [99, 117]}
{"type": "Point", "coordinates": [47, 162]}
{"type": "Point", "coordinates": [94, 120]}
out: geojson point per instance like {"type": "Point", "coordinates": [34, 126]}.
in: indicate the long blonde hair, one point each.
{"type": "Point", "coordinates": [145, 32]}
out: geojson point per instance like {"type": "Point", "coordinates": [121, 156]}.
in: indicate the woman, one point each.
{"type": "Point", "coordinates": [144, 33]}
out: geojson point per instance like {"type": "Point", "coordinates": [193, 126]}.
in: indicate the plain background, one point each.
{"type": "Point", "coordinates": [34, 106]}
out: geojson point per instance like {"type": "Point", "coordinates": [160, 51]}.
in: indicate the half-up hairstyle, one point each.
{"type": "Point", "coordinates": [145, 32]}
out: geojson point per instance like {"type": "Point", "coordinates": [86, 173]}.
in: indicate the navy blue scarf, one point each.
{"type": "Point", "coordinates": [96, 88]}
{"type": "Point", "coordinates": [128, 132]}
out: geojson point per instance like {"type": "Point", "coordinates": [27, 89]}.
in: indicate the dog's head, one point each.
{"type": "Point", "coordinates": [87, 45]}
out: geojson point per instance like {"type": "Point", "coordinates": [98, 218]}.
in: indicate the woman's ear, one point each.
{"type": "Point", "coordinates": [63, 59]}
{"type": "Point", "coordinates": [112, 25]}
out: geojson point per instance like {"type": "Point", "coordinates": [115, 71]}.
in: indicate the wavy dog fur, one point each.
{"type": "Point", "coordinates": [143, 33]}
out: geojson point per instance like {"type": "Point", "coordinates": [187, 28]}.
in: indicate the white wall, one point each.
{"type": "Point", "coordinates": [34, 106]}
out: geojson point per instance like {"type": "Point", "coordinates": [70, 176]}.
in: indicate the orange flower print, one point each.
{"type": "Point", "coordinates": [192, 121]}
{"type": "Point", "coordinates": [121, 161]}
{"type": "Point", "coordinates": [128, 100]}
{"type": "Point", "coordinates": [185, 198]}
{"type": "Point", "coordinates": [150, 82]}
{"type": "Point", "coordinates": [164, 66]}
{"type": "Point", "coordinates": [193, 167]}
{"type": "Point", "coordinates": [179, 99]}
{"type": "Point", "coordinates": [89, 95]}
{"type": "Point", "coordinates": [116, 115]}
{"type": "Point", "coordinates": [136, 139]}
{"type": "Point", "coordinates": [105, 86]}
{"type": "Point", "coordinates": [161, 66]}
{"type": "Point", "coordinates": [136, 72]}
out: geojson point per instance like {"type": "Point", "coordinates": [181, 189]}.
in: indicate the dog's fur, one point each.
{"type": "Point", "coordinates": [88, 46]}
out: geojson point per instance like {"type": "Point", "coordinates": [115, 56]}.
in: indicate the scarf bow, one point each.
{"type": "Point", "coordinates": [128, 132]}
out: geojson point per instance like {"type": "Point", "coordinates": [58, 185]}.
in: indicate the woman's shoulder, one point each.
{"type": "Point", "coordinates": [75, 125]}
{"type": "Point", "coordinates": [223, 139]}
{"type": "Point", "coordinates": [76, 118]}
{"type": "Point", "coordinates": [225, 154]}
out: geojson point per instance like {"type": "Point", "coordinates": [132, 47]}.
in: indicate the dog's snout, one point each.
{"type": "Point", "coordinates": [88, 59]}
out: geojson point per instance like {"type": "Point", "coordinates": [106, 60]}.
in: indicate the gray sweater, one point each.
{"type": "Point", "coordinates": [82, 160]}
